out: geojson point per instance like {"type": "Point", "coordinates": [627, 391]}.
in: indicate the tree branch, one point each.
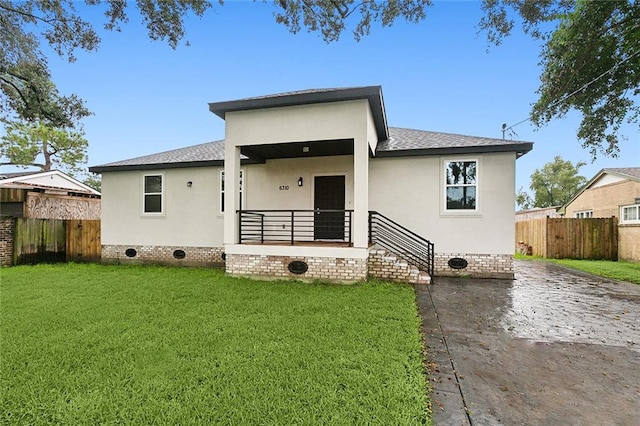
{"type": "Point", "coordinates": [39, 18]}
{"type": "Point", "coordinates": [11, 163]}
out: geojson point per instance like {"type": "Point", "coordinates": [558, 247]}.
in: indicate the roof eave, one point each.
{"type": "Point", "coordinates": [520, 150]}
{"type": "Point", "coordinates": [159, 166]}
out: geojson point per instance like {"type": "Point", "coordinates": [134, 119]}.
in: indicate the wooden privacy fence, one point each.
{"type": "Point", "coordinates": [563, 238]}
{"type": "Point", "coordinates": [53, 240]}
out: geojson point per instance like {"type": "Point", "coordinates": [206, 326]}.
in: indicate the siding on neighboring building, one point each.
{"type": "Point", "coordinates": [605, 201]}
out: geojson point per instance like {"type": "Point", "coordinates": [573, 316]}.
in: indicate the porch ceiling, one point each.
{"type": "Point", "coordinates": [262, 153]}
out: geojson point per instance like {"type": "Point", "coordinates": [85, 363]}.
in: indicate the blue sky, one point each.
{"type": "Point", "coordinates": [436, 75]}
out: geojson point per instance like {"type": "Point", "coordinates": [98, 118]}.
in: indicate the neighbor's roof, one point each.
{"type": "Point", "coordinates": [47, 180]}
{"type": "Point", "coordinates": [401, 143]}
{"type": "Point", "coordinates": [12, 175]}
{"type": "Point", "coordinates": [631, 173]}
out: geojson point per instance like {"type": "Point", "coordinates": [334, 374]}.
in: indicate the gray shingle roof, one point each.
{"type": "Point", "coordinates": [299, 92]}
{"type": "Point", "coordinates": [17, 174]}
{"type": "Point", "coordinates": [631, 172]}
{"type": "Point", "coordinates": [206, 154]}
{"type": "Point", "coordinates": [401, 143]}
{"type": "Point", "coordinates": [403, 140]}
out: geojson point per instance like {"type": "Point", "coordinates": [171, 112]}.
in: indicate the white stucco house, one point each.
{"type": "Point", "coordinates": [323, 189]}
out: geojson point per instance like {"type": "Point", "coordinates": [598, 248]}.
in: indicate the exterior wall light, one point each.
{"type": "Point", "coordinates": [300, 181]}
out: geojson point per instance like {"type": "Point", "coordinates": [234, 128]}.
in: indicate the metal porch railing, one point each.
{"type": "Point", "coordinates": [294, 226]}
{"type": "Point", "coordinates": [401, 241]}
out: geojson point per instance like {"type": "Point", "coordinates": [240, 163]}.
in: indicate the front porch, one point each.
{"type": "Point", "coordinates": [285, 243]}
{"type": "Point", "coordinates": [304, 211]}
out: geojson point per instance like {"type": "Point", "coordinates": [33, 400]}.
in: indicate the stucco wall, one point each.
{"type": "Point", "coordinates": [274, 185]}
{"type": "Point", "coordinates": [408, 190]}
{"type": "Point", "coordinates": [191, 215]}
{"type": "Point", "coordinates": [328, 121]}
{"type": "Point", "coordinates": [411, 192]}
{"type": "Point", "coordinates": [605, 201]}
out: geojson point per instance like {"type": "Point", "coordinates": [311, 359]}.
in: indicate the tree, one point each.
{"type": "Point", "coordinates": [40, 145]}
{"type": "Point", "coordinates": [30, 93]}
{"type": "Point", "coordinates": [590, 62]}
{"type": "Point", "coordinates": [23, 66]}
{"type": "Point", "coordinates": [330, 17]}
{"type": "Point", "coordinates": [553, 185]}
{"type": "Point", "coordinates": [590, 57]}
{"type": "Point", "coordinates": [93, 180]}
{"type": "Point", "coordinates": [61, 24]}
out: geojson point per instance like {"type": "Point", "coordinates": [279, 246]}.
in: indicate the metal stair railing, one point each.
{"type": "Point", "coordinates": [401, 241]}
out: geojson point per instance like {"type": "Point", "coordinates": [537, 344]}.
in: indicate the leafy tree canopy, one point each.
{"type": "Point", "coordinates": [27, 144]}
{"type": "Point", "coordinates": [590, 62]}
{"type": "Point", "coordinates": [553, 185]}
{"type": "Point", "coordinates": [93, 180]}
{"type": "Point", "coordinates": [590, 58]}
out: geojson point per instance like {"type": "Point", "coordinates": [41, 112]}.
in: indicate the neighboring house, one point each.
{"type": "Point", "coordinates": [612, 192]}
{"type": "Point", "coordinates": [537, 213]}
{"type": "Point", "coordinates": [47, 195]}
{"type": "Point", "coordinates": [309, 168]}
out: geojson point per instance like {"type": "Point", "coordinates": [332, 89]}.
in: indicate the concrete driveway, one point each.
{"type": "Point", "coordinates": [552, 346]}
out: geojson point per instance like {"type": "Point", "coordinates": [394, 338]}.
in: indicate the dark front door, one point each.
{"type": "Point", "coordinates": [329, 195]}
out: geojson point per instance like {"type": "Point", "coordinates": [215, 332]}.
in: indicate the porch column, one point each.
{"type": "Point", "coordinates": [360, 193]}
{"type": "Point", "coordinates": [231, 192]}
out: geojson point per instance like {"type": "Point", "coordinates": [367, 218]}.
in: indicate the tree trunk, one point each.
{"type": "Point", "coordinates": [47, 156]}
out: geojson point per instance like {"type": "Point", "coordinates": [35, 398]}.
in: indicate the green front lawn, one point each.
{"type": "Point", "coordinates": [90, 344]}
{"type": "Point", "coordinates": [620, 270]}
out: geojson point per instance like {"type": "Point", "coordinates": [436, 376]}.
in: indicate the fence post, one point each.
{"type": "Point", "coordinates": [7, 238]}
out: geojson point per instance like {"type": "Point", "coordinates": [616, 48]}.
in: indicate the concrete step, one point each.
{"type": "Point", "coordinates": [401, 269]}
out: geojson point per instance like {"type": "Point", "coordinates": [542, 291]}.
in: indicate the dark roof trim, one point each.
{"type": "Point", "coordinates": [520, 149]}
{"type": "Point", "coordinates": [162, 166]}
{"type": "Point", "coordinates": [372, 93]}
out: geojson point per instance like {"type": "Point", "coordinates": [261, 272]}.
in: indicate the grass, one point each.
{"type": "Point", "coordinates": [89, 344]}
{"type": "Point", "coordinates": [619, 270]}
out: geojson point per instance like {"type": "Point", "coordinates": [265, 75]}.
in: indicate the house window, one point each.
{"type": "Point", "coordinates": [583, 214]}
{"type": "Point", "coordinates": [461, 186]}
{"type": "Point", "coordinates": [153, 193]}
{"type": "Point", "coordinates": [630, 214]}
{"type": "Point", "coordinates": [240, 185]}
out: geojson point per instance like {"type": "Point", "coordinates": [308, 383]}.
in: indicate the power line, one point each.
{"type": "Point", "coordinates": [504, 125]}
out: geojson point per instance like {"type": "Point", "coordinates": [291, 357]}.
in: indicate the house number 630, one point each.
{"type": "Point", "coordinates": [284, 187]}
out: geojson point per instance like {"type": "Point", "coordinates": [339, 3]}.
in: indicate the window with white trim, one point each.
{"type": "Point", "coordinates": [153, 194]}
{"type": "Point", "coordinates": [583, 214]}
{"type": "Point", "coordinates": [630, 214]}
{"type": "Point", "coordinates": [240, 185]}
{"type": "Point", "coordinates": [461, 185]}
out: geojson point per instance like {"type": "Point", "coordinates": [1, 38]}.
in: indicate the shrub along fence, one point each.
{"type": "Point", "coordinates": [563, 238]}
{"type": "Point", "coordinates": [53, 240]}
